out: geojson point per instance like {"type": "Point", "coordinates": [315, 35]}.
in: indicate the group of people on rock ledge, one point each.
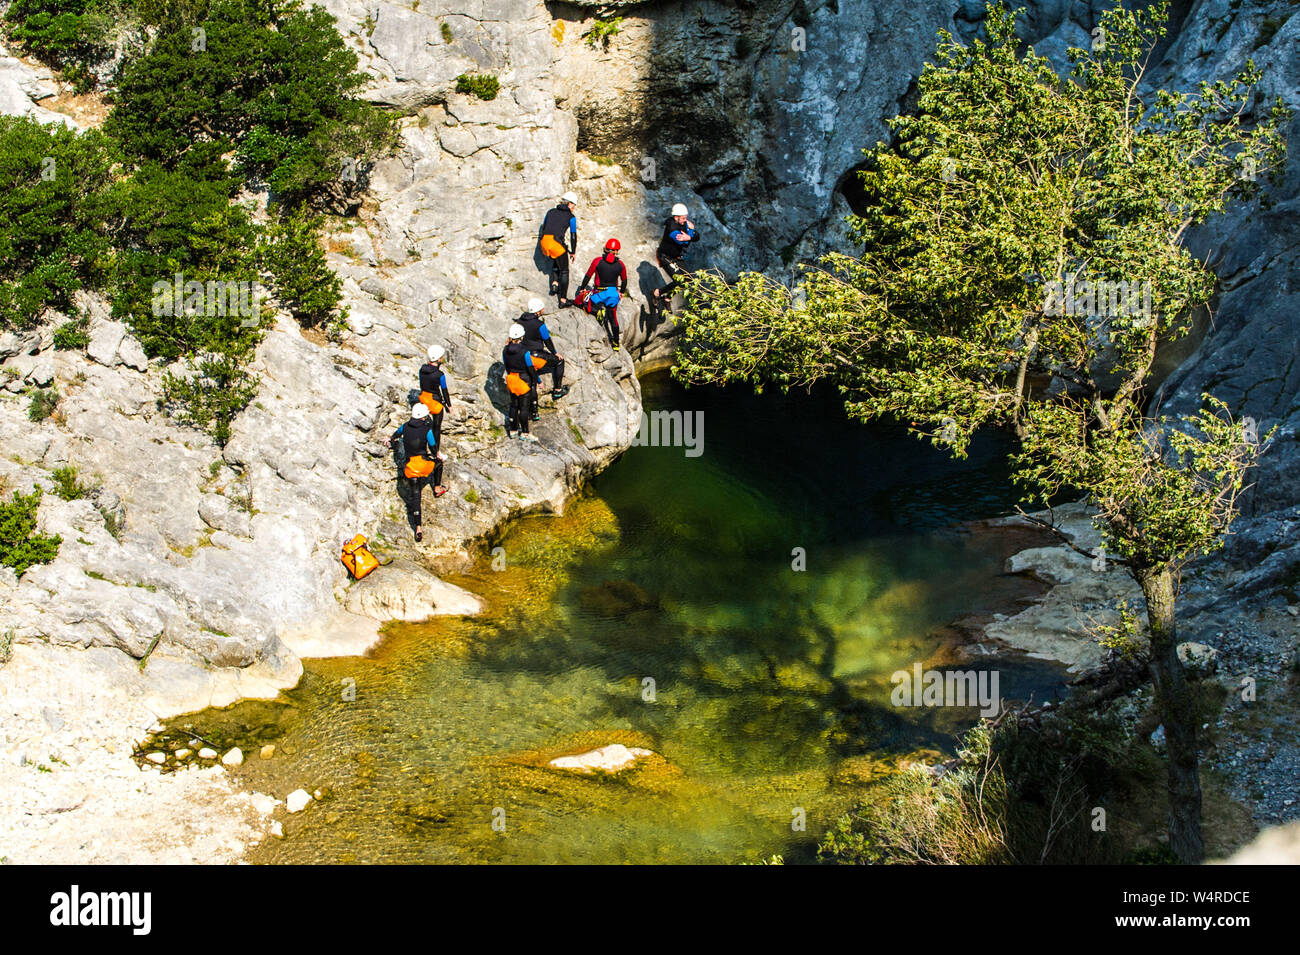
{"type": "Point", "coordinates": [529, 349]}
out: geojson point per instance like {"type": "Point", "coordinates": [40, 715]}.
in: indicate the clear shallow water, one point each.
{"type": "Point", "coordinates": [770, 686]}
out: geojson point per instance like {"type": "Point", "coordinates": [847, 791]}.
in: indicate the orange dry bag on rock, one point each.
{"type": "Point", "coordinates": [429, 401]}
{"type": "Point", "coordinates": [516, 384]}
{"type": "Point", "coordinates": [418, 467]}
{"type": "Point", "coordinates": [552, 248]}
{"type": "Point", "coordinates": [357, 557]}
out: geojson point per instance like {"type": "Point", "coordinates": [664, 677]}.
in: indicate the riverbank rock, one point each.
{"type": "Point", "coordinates": [404, 591]}
{"type": "Point", "coordinates": [606, 759]}
{"type": "Point", "coordinates": [1063, 624]}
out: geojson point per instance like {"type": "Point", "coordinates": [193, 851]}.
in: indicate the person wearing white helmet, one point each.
{"type": "Point", "coordinates": [541, 349]}
{"type": "Point", "coordinates": [679, 233]}
{"type": "Point", "coordinates": [417, 449]}
{"type": "Point", "coordinates": [521, 381]}
{"type": "Point", "coordinates": [555, 224]}
{"type": "Point", "coordinates": [433, 387]}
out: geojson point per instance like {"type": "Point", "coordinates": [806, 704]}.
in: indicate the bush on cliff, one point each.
{"type": "Point", "coordinates": [265, 79]}
{"type": "Point", "coordinates": [70, 35]}
{"type": "Point", "coordinates": [53, 216]}
{"type": "Point", "coordinates": [20, 544]}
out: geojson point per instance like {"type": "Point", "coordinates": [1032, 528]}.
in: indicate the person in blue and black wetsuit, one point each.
{"type": "Point", "coordinates": [423, 462]}
{"type": "Point", "coordinates": [433, 388]}
{"type": "Point", "coordinates": [558, 221]}
{"type": "Point", "coordinates": [679, 233]}
{"type": "Point", "coordinates": [541, 350]}
{"type": "Point", "coordinates": [521, 381]}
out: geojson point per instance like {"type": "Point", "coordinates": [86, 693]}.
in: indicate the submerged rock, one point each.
{"type": "Point", "coordinates": [606, 759]}
{"type": "Point", "coordinates": [298, 800]}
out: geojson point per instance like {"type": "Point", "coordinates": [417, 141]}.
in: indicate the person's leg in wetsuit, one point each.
{"type": "Point", "coordinates": [411, 491]}
{"type": "Point", "coordinates": [436, 422]}
{"type": "Point", "coordinates": [520, 410]}
{"type": "Point", "coordinates": [609, 321]}
{"type": "Point", "coordinates": [560, 278]}
{"type": "Point", "coordinates": [675, 271]}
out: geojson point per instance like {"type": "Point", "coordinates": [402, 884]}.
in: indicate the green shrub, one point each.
{"type": "Point", "coordinates": [602, 30]}
{"type": "Point", "coordinates": [20, 545]}
{"type": "Point", "coordinates": [72, 336]}
{"type": "Point", "coordinates": [483, 85]}
{"type": "Point", "coordinates": [44, 401]}
{"type": "Point", "coordinates": [302, 280]}
{"type": "Point", "coordinates": [275, 85]}
{"type": "Point", "coordinates": [71, 35]}
{"type": "Point", "coordinates": [446, 32]}
{"type": "Point", "coordinates": [959, 819]}
{"type": "Point", "coordinates": [66, 484]}
{"type": "Point", "coordinates": [175, 224]}
{"type": "Point", "coordinates": [212, 396]}
{"type": "Point", "coordinates": [1021, 794]}
{"type": "Point", "coordinates": [53, 214]}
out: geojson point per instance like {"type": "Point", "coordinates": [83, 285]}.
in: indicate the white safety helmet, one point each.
{"type": "Point", "coordinates": [535, 305]}
{"type": "Point", "coordinates": [516, 331]}
{"type": "Point", "coordinates": [419, 410]}
{"type": "Point", "coordinates": [569, 197]}
{"type": "Point", "coordinates": [436, 352]}
{"type": "Point", "coordinates": [680, 210]}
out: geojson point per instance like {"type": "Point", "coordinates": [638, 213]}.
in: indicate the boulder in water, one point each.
{"type": "Point", "coordinates": [606, 759]}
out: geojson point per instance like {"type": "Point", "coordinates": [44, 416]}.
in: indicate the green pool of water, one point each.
{"type": "Point", "coordinates": [662, 611]}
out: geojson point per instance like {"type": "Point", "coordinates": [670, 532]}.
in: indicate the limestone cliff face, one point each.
{"type": "Point", "coordinates": [752, 112]}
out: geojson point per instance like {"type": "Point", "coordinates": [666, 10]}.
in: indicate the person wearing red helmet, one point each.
{"type": "Point", "coordinates": [610, 277]}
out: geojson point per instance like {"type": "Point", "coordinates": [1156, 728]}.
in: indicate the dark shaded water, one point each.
{"type": "Point", "coordinates": [661, 611]}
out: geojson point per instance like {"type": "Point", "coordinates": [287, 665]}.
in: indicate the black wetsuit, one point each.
{"type": "Point", "coordinates": [671, 253]}
{"type": "Point", "coordinates": [537, 339]}
{"type": "Point", "coordinates": [557, 223]}
{"type": "Point", "coordinates": [434, 381]}
{"type": "Point", "coordinates": [418, 439]}
{"type": "Point", "coordinates": [515, 358]}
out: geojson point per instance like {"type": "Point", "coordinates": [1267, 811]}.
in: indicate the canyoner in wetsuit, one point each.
{"type": "Point", "coordinates": [541, 350]}
{"type": "Point", "coordinates": [433, 388]}
{"type": "Point", "coordinates": [521, 381]}
{"type": "Point", "coordinates": [679, 233]}
{"type": "Point", "coordinates": [610, 275]}
{"type": "Point", "coordinates": [557, 222]}
{"type": "Point", "coordinates": [419, 450]}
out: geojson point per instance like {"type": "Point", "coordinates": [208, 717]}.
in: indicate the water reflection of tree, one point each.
{"type": "Point", "coordinates": [765, 685]}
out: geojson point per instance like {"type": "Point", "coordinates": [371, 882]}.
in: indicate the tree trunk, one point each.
{"type": "Point", "coordinates": [1178, 714]}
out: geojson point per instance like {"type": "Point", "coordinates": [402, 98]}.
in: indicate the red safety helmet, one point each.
{"type": "Point", "coordinates": [613, 245]}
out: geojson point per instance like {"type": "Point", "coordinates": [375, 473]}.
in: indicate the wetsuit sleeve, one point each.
{"type": "Point", "coordinates": [432, 441]}
{"type": "Point", "coordinates": [532, 371]}
{"type": "Point", "coordinates": [590, 272]}
{"type": "Point", "coordinates": [546, 338]}
{"type": "Point", "coordinates": [398, 433]}
{"type": "Point", "coordinates": [442, 385]}
{"type": "Point", "coordinates": [573, 233]}
{"type": "Point", "coordinates": [623, 275]}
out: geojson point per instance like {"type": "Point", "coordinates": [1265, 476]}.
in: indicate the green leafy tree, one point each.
{"type": "Point", "coordinates": [266, 79]}
{"type": "Point", "coordinates": [1022, 260]}
{"type": "Point", "coordinates": [53, 235]}
{"type": "Point", "coordinates": [301, 279]}
{"type": "Point", "coordinates": [167, 224]}
{"type": "Point", "coordinates": [71, 35]}
{"type": "Point", "coordinates": [20, 544]}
